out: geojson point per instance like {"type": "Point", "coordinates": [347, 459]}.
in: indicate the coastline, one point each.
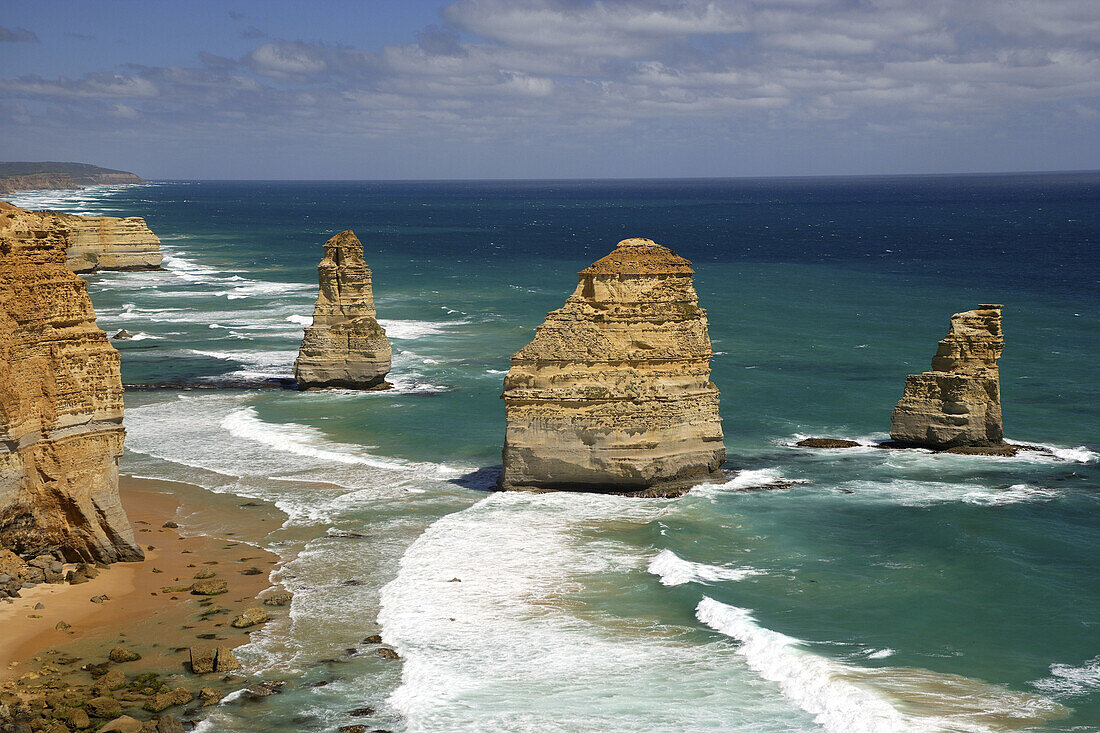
{"type": "Point", "coordinates": [150, 609]}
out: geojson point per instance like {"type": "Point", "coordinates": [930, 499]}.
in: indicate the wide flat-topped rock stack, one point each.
{"type": "Point", "coordinates": [958, 403]}
{"type": "Point", "coordinates": [111, 243]}
{"type": "Point", "coordinates": [614, 392]}
{"type": "Point", "coordinates": [345, 346]}
{"type": "Point", "coordinates": [60, 403]}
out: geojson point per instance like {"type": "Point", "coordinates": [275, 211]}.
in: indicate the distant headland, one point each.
{"type": "Point", "coordinates": [29, 176]}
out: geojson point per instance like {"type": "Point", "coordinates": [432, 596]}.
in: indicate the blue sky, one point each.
{"type": "Point", "coordinates": [551, 88]}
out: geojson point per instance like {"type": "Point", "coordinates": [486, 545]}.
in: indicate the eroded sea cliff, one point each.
{"type": "Point", "coordinates": [60, 403]}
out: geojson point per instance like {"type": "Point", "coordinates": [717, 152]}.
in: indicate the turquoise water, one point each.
{"type": "Point", "coordinates": [885, 592]}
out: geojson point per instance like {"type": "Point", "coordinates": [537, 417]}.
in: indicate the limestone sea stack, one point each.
{"type": "Point", "coordinates": [958, 403]}
{"type": "Point", "coordinates": [614, 392]}
{"type": "Point", "coordinates": [110, 243]}
{"type": "Point", "coordinates": [60, 403]}
{"type": "Point", "coordinates": [345, 346]}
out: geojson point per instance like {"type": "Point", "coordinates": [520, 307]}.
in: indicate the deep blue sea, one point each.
{"type": "Point", "coordinates": [885, 592]}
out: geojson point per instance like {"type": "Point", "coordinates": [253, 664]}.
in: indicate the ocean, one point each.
{"type": "Point", "coordinates": [882, 592]}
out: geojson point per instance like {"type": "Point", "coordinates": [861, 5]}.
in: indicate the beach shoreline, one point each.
{"type": "Point", "coordinates": [56, 635]}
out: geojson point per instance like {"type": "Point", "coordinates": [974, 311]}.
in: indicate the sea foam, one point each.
{"type": "Point", "coordinates": [674, 570]}
{"type": "Point", "coordinates": [848, 699]}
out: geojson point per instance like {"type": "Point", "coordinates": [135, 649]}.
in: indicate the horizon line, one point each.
{"type": "Point", "coordinates": [638, 178]}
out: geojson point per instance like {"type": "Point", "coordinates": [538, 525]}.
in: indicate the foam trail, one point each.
{"type": "Point", "coordinates": [847, 699]}
{"type": "Point", "coordinates": [511, 647]}
{"type": "Point", "coordinates": [402, 330]}
{"type": "Point", "coordinates": [674, 570]}
{"type": "Point", "coordinates": [1068, 681]}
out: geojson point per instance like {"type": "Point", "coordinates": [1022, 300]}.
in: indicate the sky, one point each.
{"type": "Point", "coordinates": [426, 89]}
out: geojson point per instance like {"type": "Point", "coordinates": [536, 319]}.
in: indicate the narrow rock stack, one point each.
{"type": "Point", "coordinates": [614, 392]}
{"type": "Point", "coordinates": [60, 403]}
{"type": "Point", "coordinates": [110, 243]}
{"type": "Point", "coordinates": [345, 346]}
{"type": "Point", "coordinates": [957, 405]}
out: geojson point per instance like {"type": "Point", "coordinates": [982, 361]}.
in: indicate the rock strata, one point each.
{"type": "Point", "coordinates": [110, 243]}
{"type": "Point", "coordinates": [958, 403]}
{"type": "Point", "coordinates": [614, 392]}
{"type": "Point", "coordinates": [60, 403]}
{"type": "Point", "coordinates": [345, 346]}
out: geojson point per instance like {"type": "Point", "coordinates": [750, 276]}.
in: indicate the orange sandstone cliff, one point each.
{"type": "Point", "coordinates": [60, 403]}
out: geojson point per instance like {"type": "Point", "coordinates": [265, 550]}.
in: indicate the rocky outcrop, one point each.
{"type": "Point", "coordinates": [345, 346]}
{"type": "Point", "coordinates": [958, 403]}
{"type": "Point", "coordinates": [614, 392]}
{"type": "Point", "coordinates": [60, 403]}
{"type": "Point", "coordinates": [110, 243]}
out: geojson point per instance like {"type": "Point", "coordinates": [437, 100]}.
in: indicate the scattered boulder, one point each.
{"type": "Point", "coordinates": [78, 719]}
{"type": "Point", "coordinates": [104, 707]}
{"type": "Point", "coordinates": [209, 588]}
{"type": "Point", "coordinates": [170, 525]}
{"type": "Point", "coordinates": [387, 653]}
{"type": "Point", "coordinates": [251, 571]}
{"type": "Point", "coordinates": [204, 574]}
{"type": "Point", "coordinates": [225, 660]}
{"type": "Point", "coordinates": [114, 679]}
{"type": "Point", "coordinates": [121, 654]}
{"type": "Point", "coordinates": [209, 696]}
{"type": "Point", "coordinates": [202, 661]}
{"type": "Point", "coordinates": [827, 443]}
{"type": "Point", "coordinates": [250, 617]}
{"type": "Point", "coordinates": [279, 598]}
{"type": "Point", "coordinates": [168, 724]}
{"type": "Point", "coordinates": [361, 712]}
{"type": "Point", "coordinates": [123, 724]}
{"type": "Point", "coordinates": [99, 599]}
{"type": "Point", "coordinates": [123, 335]}
{"type": "Point", "coordinates": [62, 626]}
{"type": "Point", "coordinates": [373, 639]}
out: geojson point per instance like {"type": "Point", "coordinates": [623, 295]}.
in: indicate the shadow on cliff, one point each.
{"type": "Point", "coordinates": [483, 479]}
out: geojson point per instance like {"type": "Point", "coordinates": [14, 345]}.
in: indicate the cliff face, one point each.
{"type": "Point", "coordinates": [56, 175]}
{"type": "Point", "coordinates": [614, 392]}
{"type": "Point", "coordinates": [958, 403]}
{"type": "Point", "coordinates": [60, 403]}
{"type": "Point", "coordinates": [110, 243]}
{"type": "Point", "coordinates": [345, 346]}
{"type": "Point", "coordinates": [35, 181]}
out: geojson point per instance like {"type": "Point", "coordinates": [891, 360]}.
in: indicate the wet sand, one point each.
{"type": "Point", "coordinates": [150, 609]}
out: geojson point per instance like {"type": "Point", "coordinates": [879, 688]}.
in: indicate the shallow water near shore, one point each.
{"type": "Point", "coordinates": [884, 591]}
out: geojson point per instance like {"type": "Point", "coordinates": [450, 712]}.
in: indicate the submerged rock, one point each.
{"type": "Point", "coordinates": [614, 392]}
{"type": "Point", "coordinates": [345, 346]}
{"type": "Point", "coordinates": [827, 443]}
{"type": "Point", "coordinates": [958, 403]}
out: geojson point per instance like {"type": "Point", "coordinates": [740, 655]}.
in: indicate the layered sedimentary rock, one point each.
{"type": "Point", "coordinates": [614, 392]}
{"type": "Point", "coordinates": [958, 403]}
{"type": "Point", "coordinates": [60, 403]}
{"type": "Point", "coordinates": [345, 346]}
{"type": "Point", "coordinates": [110, 243]}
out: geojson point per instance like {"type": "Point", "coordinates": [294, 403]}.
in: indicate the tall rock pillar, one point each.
{"type": "Point", "coordinates": [345, 346]}
{"type": "Point", "coordinates": [958, 403]}
{"type": "Point", "coordinates": [614, 392]}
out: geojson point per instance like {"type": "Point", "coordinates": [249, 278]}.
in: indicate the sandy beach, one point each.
{"type": "Point", "coordinates": [54, 633]}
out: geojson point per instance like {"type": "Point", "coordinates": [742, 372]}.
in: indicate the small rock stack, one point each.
{"type": "Point", "coordinates": [957, 404]}
{"type": "Point", "coordinates": [614, 392]}
{"type": "Point", "coordinates": [345, 346]}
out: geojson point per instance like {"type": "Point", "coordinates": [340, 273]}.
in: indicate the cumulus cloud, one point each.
{"type": "Point", "coordinates": [17, 35]}
{"type": "Point", "coordinates": [690, 70]}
